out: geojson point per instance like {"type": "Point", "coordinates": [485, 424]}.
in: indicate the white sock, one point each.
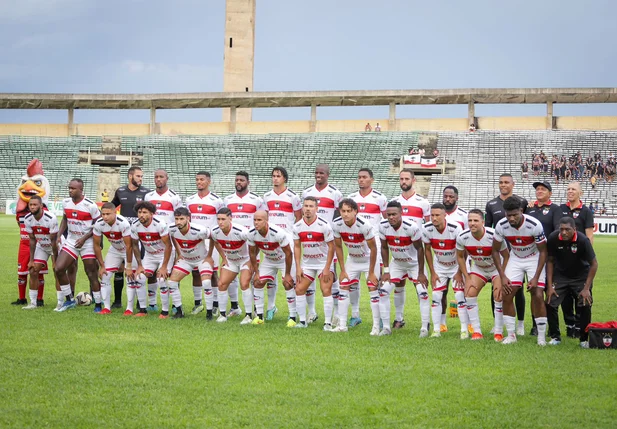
{"type": "Point", "coordinates": [521, 324]}
{"type": "Point", "coordinates": [106, 290]}
{"type": "Point", "coordinates": [272, 289]}
{"type": "Point", "coordinates": [223, 298]}
{"type": "Point", "coordinates": [436, 310]}
{"type": "Point", "coordinates": [208, 293]}
{"type": "Point", "coordinates": [328, 305]}
{"type": "Point", "coordinates": [301, 308]}
{"type": "Point", "coordinates": [97, 297]}
{"type": "Point", "coordinates": [399, 303]}
{"type": "Point", "coordinates": [258, 296]}
{"type": "Point", "coordinates": [443, 320]}
{"type": "Point", "coordinates": [474, 314]}
{"type": "Point", "coordinates": [247, 300]}
{"type": "Point", "coordinates": [459, 295]}
{"type": "Point", "coordinates": [384, 303]}
{"type": "Point", "coordinates": [232, 291]}
{"type": "Point", "coordinates": [425, 305]}
{"type": "Point", "coordinates": [291, 302]}
{"type": "Point", "coordinates": [60, 296]}
{"type": "Point", "coordinates": [215, 293]}
{"type": "Point", "coordinates": [65, 290]}
{"type": "Point", "coordinates": [152, 287]}
{"type": "Point", "coordinates": [33, 293]}
{"type": "Point", "coordinates": [164, 291]}
{"type": "Point", "coordinates": [354, 298]}
{"type": "Point", "coordinates": [541, 324]}
{"type": "Point", "coordinates": [374, 297]}
{"type": "Point", "coordinates": [197, 290]}
{"type": "Point", "coordinates": [510, 322]}
{"type": "Point", "coordinates": [142, 291]}
{"type": "Point", "coordinates": [310, 299]}
{"type": "Point", "coordinates": [499, 317]}
{"type": "Point", "coordinates": [130, 294]}
{"type": "Point", "coordinates": [335, 291]}
{"type": "Point", "coordinates": [343, 307]}
{"type": "Point", "coordinates": [174, 293]}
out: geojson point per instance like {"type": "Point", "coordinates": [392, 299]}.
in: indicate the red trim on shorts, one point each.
{"type": "Point", "coordinates": [88, 257]}
{"type": "Point", "coordinates": [309, 277]}
{"type": "Point", "coordinates": [111, 270]}
{"type": "Point", "coordinates": [269, 277]}
{"type": "Point", "coordinates": [349, 283]}
{"type": "Point", "coordinates": [40, 261]}
{"type": "Point", "coordinates": [484, 279]}
{"type": "Point", "coordinates": [67, 251]}
{"type": "Point", "coordinates": [182, 270]}
{"type": "Point", "coordinates": [517, 284]}
{"type": "Point", "coordinates": [439, 289]}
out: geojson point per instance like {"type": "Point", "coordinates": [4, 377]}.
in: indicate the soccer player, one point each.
{"type": "Point", "coordinates": [118, 232]}
{"type": "Point", "coordinates": [371, 207]}
{"type": "Point", "coordinates": [285, 209]}
{"type": "Point", "coordinates": [166, 201]}
{"type": "Point", "coordinates": [42, 229]}
{"type": "Point", "coordinates": [494, 213]}
{"type": "Point", "coordinates": [477, 242]}
{"type": "Point", "coordinates": [189, 242]}
{"type": "Point", "coordinates": [79, 216]}
{"type": "Point", "coordinates": [328, 199]}
{"type": "Point", "coordinates": [275, 243]}
{"type": "Point", "coordinates": [359, 238]}
{"type": "Point", "coordinates": [204, 205]}
{"type": "Point", "coordinates": [154, 237]}
{"type": "Point", "coordinates": [527, 257]}
{"type": "Point", "coordinates": [439, 237]}
{"type": "Point", "coordinates": [314, 253]}
{"type": "Point", "coordinates": [454, 213]}
{"type": "Point", "coordinates": [403, 239]}
{"type": "Point", "coordinates": [126, 197]}
{"type": "Point", "coordinates": [230, 239]}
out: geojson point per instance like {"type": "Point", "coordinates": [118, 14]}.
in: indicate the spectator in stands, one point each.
{"type": "Point", "coordinates": [105, 196]}
{"type": "Point", "coordinates": [472, 128]}
{"type": "Point", "coordinates": [603, 209]}
{"type": "Point", "coordinates": [593, 208]}
{"type": "Point", "coordinates": [588, 166]}
{"type": "Point", "coordinates": [610, 172]}
{"type": "Point", "coordinates": [593, 182]}
{"type": "Point", "coordinates": [377, 127]}
{"type": "Point", "coordinates": [525, 170]}
{"type": "Point", "coordinates": [368, 127]}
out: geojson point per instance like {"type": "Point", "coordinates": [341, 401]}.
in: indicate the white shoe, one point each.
{"type": "Point", "coordinates": [340, 329]}
{"type": "Point", "coordinates": [584, 344]}
{"type": "Point", "coordinates": [234, 312]}
{"type": "Point", "coordinates": [436, 334]}
{"type": "Point", "coordinates": [312, 318]}
{"type": "Point", "coordinates": [423, 333]}
{"type": "Point", "coordinates": [221, 319]}
{"type": "Point", "coordinates": [542, 343]}
{"type": "Point", "coordinates": [58, 306]}
{"type": "Point", "coordinates": [520, 331]}
{"type": "Point", "coordinates": [327, 327]}
{"type": "Point", "coordinates": [385, 331]}
{"type": "Point", "coordinates": [247, 320]}
{"type": "Point", "coordinates": [31, 306]}
{"type": "Point", "coordinates": [374, 331]}
{"type": "Point", "coordinates": [464, 335]}
{"type": "Point", "coordinates": [510, 339]}
{"type": "Point", "coordinates": [335, 320]}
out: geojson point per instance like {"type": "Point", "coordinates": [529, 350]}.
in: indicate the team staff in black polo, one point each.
{"type": "Point", "coordinates": [570, 270]}
{"type": "Point", "coordinates": [126, 197]}
{"type": "Point", "coordinates": [494, 213]}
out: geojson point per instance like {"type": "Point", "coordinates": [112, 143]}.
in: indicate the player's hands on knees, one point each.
{"type": "Point", "coordinates": [130, 275]}
{"type": "Point", "coordinates": [372, 278]}
{"type": "Point", "coordinates": [498, 294]}
{"type": "Point", "coordinates": [423, 280]}
{"type": "Point", "coordinates": [162, 274]}
{"type": "Point", "coordinates": [532, 284]}
{"type": "Point", "coordinates": [326, 276]}
{"type": "Point", "coordinates": [288, 281]}
{"type": "Point", "coordinates": [550, 293]}
{"type": "Point", "coordinates": [458, 279]}
{"type": "Point", "coordinates": [585, 295]}
{"type": "Point", "coordinates": [31, 266]}
{"type": "Point", "coordinates": [139, 271]}
{"type": "Point", "coordinates": [257, 281]}
{"type": "Point", "coordinates": [299, 275]}
{"type": "Point", "coordinates": [385, 277]}
{"type": "Point", "coordinates": [343, 276]}
{"type": "Point", "coordinates": [102, 271]}
{"type": "Point", "coordinates": [434, 280]}
{"type": "Point", "coordinates": [506, 285]}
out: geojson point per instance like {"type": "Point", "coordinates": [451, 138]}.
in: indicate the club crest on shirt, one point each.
{"type": "Point", "coordinates": [574, 248]}
{"type": "Point", "coordinates": [442, 244]}
{"type": "Point", "coordinates": [607, 340]}
{"type": "Point", "coordinates": [200, 208]}
{"type": "Point", "coordinates": [351, 237]}
{"type": "Point", "coordinates": [239, 206]}
{"type": "Point", "coordinates": [185, 245]}
{"type": "Point", "coordinates": [405, 210]}
{"type": "Point", "coordinates": [74, 214]}
{"type": "Point", "coordinates": [158, 204]}
{"type": "Point", "coordinates": [266, 246]}
{"type": "Point", "coordinates": [480, 251]}
{"type": "Point", "coordinates": [277, 205]}
{"type": "Point", "coordinates": [228, 244]}
{"type": "Point", "coordinates": [148, 236]}
{"type": "Point", "coordinates": [39, 230]}
{"type": "Point", "coordinates": [138, 199]}
{"type": "Point", "coordinates": [518, 241]}
{"type": "Point", "coordinates": [309, 235]}
{"type": "Point", "coordinates": [575, 214]}
{"type": "Point", "coordinates": [362, 207]}
{"type": "Point", "coordinates": [545, 211]}
{"type": "Point", "coordinates": [397, 241]}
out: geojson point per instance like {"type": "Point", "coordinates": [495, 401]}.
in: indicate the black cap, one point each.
{"type": "Point", "coordinates": [545, 184]}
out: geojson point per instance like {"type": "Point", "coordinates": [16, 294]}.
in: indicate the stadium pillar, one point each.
{"type": "Point", "coordinates": [392, 120]}
{"type": "Point", "coordinates": [71, 129]}
{"type": "Point", "coordinates": [471, 113]}
{"type": "Point", "coordinates": [549, 116]}
{"type": "Point", "coordinates": [313, 123]}
{"type": "Point", "coordinates": [152, 120]}
{"type": "Point", "coordinates": [233, 111]}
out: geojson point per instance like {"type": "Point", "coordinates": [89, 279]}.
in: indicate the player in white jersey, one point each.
{"type": "Point", "coordinates": [528, 256]}
{"type": "Point", "coordinates": [157, 262]}
{"type": "Point", "coordinates": [477, 242]}
{"type": "Point", "coordinates": [439, 237]}
{"type": "Point", "coordinates": [359, 238]}
{"type": "Point", "coordinates": [204, 205]}
{"type": "Point", "coordinates": [118, 232]}
{"type": "Point", "coordinates": [454, 213]}
{"type": "Point", "coordinates": [284, 210]}
{"type": "Point", "coordinates": [403, 240]}
{"type": "Point", "coordinates": [414, 206]}
{"type": "Point", "coordinates": [79, 215]}
{"type": "Point", "coordinates": [314, 253]}
{"type": "Point", "coordinates": [230, 240]}
{"type": "Point", "coordinates": [42, 229]}
{"type": "Point", "coordinates": [328, 199]}
{"type": "Point", "coordinates": [275, 243]}
{"type": "Point", "coordinates": [243, 203]}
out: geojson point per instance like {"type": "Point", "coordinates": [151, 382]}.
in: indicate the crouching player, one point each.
{"type": "Point", "coordinates": [477, 241]}
{"type": "Point", "coordinates": [118, 232]}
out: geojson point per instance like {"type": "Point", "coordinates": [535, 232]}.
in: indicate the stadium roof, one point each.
{"type": "Point", "coordinates": [307, 98]}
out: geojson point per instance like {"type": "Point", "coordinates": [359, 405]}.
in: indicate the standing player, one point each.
{"type": "Point", "coordinates": [166, 201]}
{"type": "Point", "coordinates": [328, 199]}
{"type": "Point", "coordinates": [42, 229]}
{"type": "Point", "coordinates": [477, 242]}
{"type": "Point", "coordinates": [275, 243]}
{"type": "Point", "coordinates": [439, 236]}
{"type": "Point", "coordinates": [314, 253]}
{"type": "Point", "coordinates": [126, 197]}
{"type": "Point", "coordinates": [230, 239]}
{"type": "Point", "coordinates": [79, 216]}
{"type": "Point", "coordinates": [204, 205]}
{"type": "Point", "coordinates": [528, 257]}
{"type": "Point", "coordinates": [402, 239]}
{"type": "Point", "coordinates": [154, 237]}
{"type": "Point", "coordinates": [118, 232]}
{"type": "Point", "coordinates": [454, 213]}
{"type": "Point", "coordinates": [359, 237]}
{"type": "Point", "coordinates": [285, 209]}
{"type": "Point", "coordinates": [372, 208]}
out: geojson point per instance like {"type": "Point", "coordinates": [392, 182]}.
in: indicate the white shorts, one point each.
{"type": "Point", "coordinates": [487, 275]}
{"type": "Point", "coordinates": [446, 274]}
{"type": "Point", "coordinates": [41, 256]}
{"type": "Point", "coordinates": [312, 273]}
{"type": "Point", "coordinates": [114, 259]}
{"type": "Point", "coordinates": [85, 252]}
{"type": "Point", "coordinates": [152, 263]}
{"type": "Point", "coordinates": [236, 267]}
{"type": "Point", "coordinates": [355, 270]}
{"type": "Point", "coordinates": [269, 272]}
{"type": "Point", "coordinates": [518, 267]}
{"type": "Point", "coordinates": [400, 272]}
{"type": "Point", "coordinates": [215, 256]}
{"type": "Point", "coordinates": [186, 267]}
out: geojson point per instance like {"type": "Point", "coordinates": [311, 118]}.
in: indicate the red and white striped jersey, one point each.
{"type": "Point", "coordinates": [523, 240]}
{"type": "Point", "coordinates": [42, 228]}
{"type": "Point", "coordinates": [281, 208]}
{"type": "Point", "coordinates": [272, 244]}
{"type": "Point", "coordinates": [165, 204]}
{"type": "Point", "coordinates": [371, 206]}
{"type": "Point", "coordinates": [328, 200]}
{"type": "Point", "coordinates": [443, 243]}
{"type": "Point", "coordinates": [314, 239]}
{"type": "Point", "coordinates": [80, 217]}
{"type": "Point", "coordinates": [114, 233]}
{"type": "Point", "coordinates": [243, 208]}
{"type": "Point", "coordinates": [400, 241]}
{"type": "Point", "coordinates": [479, 250]}
{"type": "Point", "coordinates": [151, 235]}
{"type": "Point", "coordinates": [234, 244]}
{"type": "Point", "coordinates": [191, 245]}
{"type": "Point", "coordinates": [355, 237]}
{"type": "Point", "coordinates": [415, 208]}
{"type": "Point", "coordinates": [204, 210]}
{"type": "Point", "coordinates": [458, 216]}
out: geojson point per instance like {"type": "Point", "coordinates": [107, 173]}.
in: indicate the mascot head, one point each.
{"type": "Point", "coordinates": [32, 183]}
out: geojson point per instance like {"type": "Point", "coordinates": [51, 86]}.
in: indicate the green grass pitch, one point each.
{"type": "Point", "coordinates": [79, 369]}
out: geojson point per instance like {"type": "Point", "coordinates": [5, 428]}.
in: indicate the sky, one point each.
{"type": "Point", "coordinates": [159, 46]}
